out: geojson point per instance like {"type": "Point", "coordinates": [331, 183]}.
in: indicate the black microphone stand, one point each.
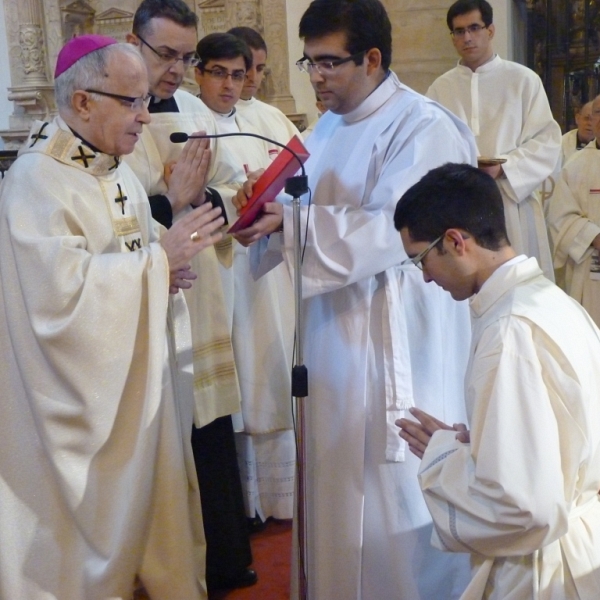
{"type": "Point", "coordinates": [296, 187]}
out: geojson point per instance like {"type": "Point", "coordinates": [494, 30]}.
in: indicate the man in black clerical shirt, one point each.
{"type": "Point", "coordinates": [176, 177]}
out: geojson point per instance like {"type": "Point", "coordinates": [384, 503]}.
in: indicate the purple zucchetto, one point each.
{"type": "Point", "coordinates": [77, 48]}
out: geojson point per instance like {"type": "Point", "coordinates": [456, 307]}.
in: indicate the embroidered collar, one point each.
{"type": "Point", "coordinates": [56, 139]}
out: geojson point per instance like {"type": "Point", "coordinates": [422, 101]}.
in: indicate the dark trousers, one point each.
{"type": "Point", "coordinates": [228, 549]}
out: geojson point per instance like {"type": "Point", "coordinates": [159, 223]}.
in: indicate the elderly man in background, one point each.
{"type": "Point", "coordinates": [574, 223]}
{"type": "Point", "coordinates": [97, 483]}
{"type": "Point", "coordinates": [581, 136]}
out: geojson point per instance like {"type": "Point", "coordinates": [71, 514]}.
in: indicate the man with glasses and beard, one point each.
{"type": "Point", "coordinates": [377, 339]}
{"type": "Point", "coordinates": [507, 109]}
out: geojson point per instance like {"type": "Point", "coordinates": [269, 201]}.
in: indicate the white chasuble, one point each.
{"type": "Point", "coordinates": [377, 339]}
{"type": "Point", "coordinates": [263, 319]}
{"type": "Point", "coordinates": [216, 388]}
{"type": "Point", "coordinates": [97, 479]}
{"type": "Point", "coordinates": [507, 109]}
{"type": "Point", "coordinates": [522, 497]}
{"type": "Point", "coordinates": [574, 222]}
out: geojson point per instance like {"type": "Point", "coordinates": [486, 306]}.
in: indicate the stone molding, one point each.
{"type": "Point", "coordinates": [37, 29]}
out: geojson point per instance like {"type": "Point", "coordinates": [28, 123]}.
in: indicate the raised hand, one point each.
{"type": "Point", "coordinates": [189, 235]}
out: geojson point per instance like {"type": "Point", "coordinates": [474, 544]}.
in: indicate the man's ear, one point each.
{"type": "Point", "coordinates": [198, 76]}
{"type": "Point", "coordinates": [455, 242]}
{"type": "Point", "coordinates": [492, 30]}
{"type": "Point", "coordinates": [80, 104]}
{"type": "Point", "coordinates": [373, 58]}
{"type": "Point", "coordinates": [131, 38]}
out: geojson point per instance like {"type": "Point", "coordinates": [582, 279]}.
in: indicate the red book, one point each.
{"type": "Point", "coordinates": [270, 183]}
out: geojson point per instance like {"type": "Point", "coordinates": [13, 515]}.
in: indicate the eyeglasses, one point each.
{"type": "Point", "coordinates": [474, 29]}
{"type": "Point", "coordinates": [222, 74]}
{"type": "Point", "coordinates": [171, 57]}
{"type": "Point", "coordinates": [135, 103]}
{"type": "Point", "coordinates": [326, 67]}
{"type": "Point", "coordinates": [418, 259]}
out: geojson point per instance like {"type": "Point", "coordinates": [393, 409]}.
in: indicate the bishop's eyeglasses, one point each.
{"type": "Point", "coordinates": [326, 67]}
{"type": "Point", "coordinates": [135, 103]}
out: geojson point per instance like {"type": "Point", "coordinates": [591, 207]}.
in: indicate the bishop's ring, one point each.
{"type": "Point", "coordinates": [195, 237]}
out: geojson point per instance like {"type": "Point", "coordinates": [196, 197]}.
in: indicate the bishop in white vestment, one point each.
{"type": "Point", "coordinates": [97, 480]}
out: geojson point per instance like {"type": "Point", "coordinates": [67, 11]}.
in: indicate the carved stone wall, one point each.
{"type": "Point", "coordinates": [37, 29]}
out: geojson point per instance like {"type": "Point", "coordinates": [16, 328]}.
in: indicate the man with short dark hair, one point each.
{"type": "Point", "coordinates": [261, 311]}
{"type": "Point", "coordinates": [506, 107]}
{"type": "Point", "coordinates": [519, 490]}
{"type": "Point", "coordinates": [376, 339]}
{"type": "Point", "coordinates": [97, 484]}
{"type": "Point", "coordinates": [267, 119]}
{"type": "Point", "coordinates": [172, 175]}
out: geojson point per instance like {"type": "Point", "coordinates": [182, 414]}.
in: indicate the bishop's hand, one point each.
{"type": "Point", "coordinates": [189, 235]}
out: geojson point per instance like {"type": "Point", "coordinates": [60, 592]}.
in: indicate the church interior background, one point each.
{"type": "Point", "coordinates": [557, 38]}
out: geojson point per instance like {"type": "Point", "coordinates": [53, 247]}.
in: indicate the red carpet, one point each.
{"type": "Point", "coordinates": [271, 550]}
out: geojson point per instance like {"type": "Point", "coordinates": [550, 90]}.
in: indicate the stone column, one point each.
{"type": "Point", "coordinates": [277, 89]}
{"type": "Point", "coordinates": [268, 17]}
{"type": "Point", "coordinates": [31, 90]}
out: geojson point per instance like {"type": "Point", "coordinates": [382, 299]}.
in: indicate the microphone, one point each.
{"type": "Point", "coordinates": [178, 137]}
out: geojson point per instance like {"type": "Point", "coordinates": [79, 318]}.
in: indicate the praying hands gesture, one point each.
{"type": "Point", "coordinates": [186, 178]}
{"type": "Point", "coordinates": [418, 434]}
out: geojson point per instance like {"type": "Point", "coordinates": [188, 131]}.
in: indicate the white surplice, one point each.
{"type": "Point", "coordinates": [507, 109]}
{"type": "Point", "coordinates": [262, 318]}
{"type": "Point", "coordinates": [216, 386]}
{"type": "Point", "coordinates": [268, 121]}
{"type": "Point", "coordinates": [376, 339]}
{"type": "Point", "coordinates": [522, 497]}
{"type": "Point", "coordinates": [568, 146]}
{"type": "Point", "coordinates": [574, 222]}
{"type": "Point", "coordinates": [97, 479]}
